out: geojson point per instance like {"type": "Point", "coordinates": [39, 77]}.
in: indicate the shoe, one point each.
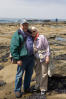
{"type": "Point", "coordinates": [18, 94]}
{"type": "Point", "coordinates": [28, 90]}
{"type": "Point", "coordinates": [43, 92]}
{"type": "Point", "coordinates": [36, 88]}
{"type": "Point", "coordinates": [43, 95]}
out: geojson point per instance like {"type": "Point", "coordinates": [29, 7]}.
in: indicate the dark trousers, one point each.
{"type": "Point", "coordinates": [27, 66]}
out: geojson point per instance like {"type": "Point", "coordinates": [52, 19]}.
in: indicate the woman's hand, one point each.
{"type": "Point", "coordinates": [19, 63]}
{"type": "Point", "coordinates": [47, 59]}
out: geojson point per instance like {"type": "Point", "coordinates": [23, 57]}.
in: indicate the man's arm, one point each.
{"type": "Point", "coordinates": [14, 48]}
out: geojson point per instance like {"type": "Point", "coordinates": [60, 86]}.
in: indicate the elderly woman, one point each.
{"type": "Point", "coordinates": [42, 52]}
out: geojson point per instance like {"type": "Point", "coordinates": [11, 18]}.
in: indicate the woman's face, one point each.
{"type": "Point", "coordinates": [34, 32]}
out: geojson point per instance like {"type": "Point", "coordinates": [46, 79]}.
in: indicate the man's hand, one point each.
{"type": "Point", "coordinates": [47, 60]}
{"type": "Point", "coordinates": [19, 63]}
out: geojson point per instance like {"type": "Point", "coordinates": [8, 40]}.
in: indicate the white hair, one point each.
{"type": "Point", "coordinates": [33, 28]}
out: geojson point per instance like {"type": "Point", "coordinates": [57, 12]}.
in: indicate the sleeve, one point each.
{"type": "Point", "coordinates": [46, 46]}
{"type": "Point", "coordinates": [14, 47]}
{"type": "Point", "coordinates": [39, 43]}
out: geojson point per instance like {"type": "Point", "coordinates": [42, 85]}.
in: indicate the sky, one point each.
{"type": "Point", "coordinates": [37, 9]}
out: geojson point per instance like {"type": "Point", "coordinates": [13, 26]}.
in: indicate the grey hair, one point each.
{"type": "Point", "coordinates": [33, 28]}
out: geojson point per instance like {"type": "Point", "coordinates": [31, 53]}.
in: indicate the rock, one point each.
{"type": "Point", "coordinates": [2, 83]}
{"type": "Point", "coordinates": [1, 67]}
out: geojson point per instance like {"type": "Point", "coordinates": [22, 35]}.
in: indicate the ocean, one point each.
{"type": "Point", "coordinates": [17, 20]}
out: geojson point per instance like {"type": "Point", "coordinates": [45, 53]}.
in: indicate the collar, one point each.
{"type": "Point", "coordinates": [21, 29]}
{"type": "Point", "coordinates": [36, 37]}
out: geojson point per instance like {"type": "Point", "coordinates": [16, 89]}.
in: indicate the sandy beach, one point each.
{"type": "Point", "coordinates": [56, 35]}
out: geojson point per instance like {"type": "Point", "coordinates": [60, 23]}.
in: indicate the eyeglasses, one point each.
{"type": "Point", "coordinates": [34, 31]}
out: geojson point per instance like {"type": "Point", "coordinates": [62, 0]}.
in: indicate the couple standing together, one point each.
{"type": "Point", "coordinates": [26, 47]}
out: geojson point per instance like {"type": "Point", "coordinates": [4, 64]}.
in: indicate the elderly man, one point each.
{"type": "Point", "coordinates": [25, 61]}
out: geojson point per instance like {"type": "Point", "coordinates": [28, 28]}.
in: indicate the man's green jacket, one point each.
{"type": "Point", "coordinates": [17, 47]}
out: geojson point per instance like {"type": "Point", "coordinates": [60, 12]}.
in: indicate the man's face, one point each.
{"type": "Point", "coordinates": [25, 27]}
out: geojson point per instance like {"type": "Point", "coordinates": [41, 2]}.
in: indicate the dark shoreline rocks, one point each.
{"type": "Point", "coordinates": [2, 83]}
{"type": "Point", "coordinates": [1, 67]}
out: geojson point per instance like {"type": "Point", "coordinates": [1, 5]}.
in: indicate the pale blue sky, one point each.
{"type": "Point", "coordinates": [42, 9]}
